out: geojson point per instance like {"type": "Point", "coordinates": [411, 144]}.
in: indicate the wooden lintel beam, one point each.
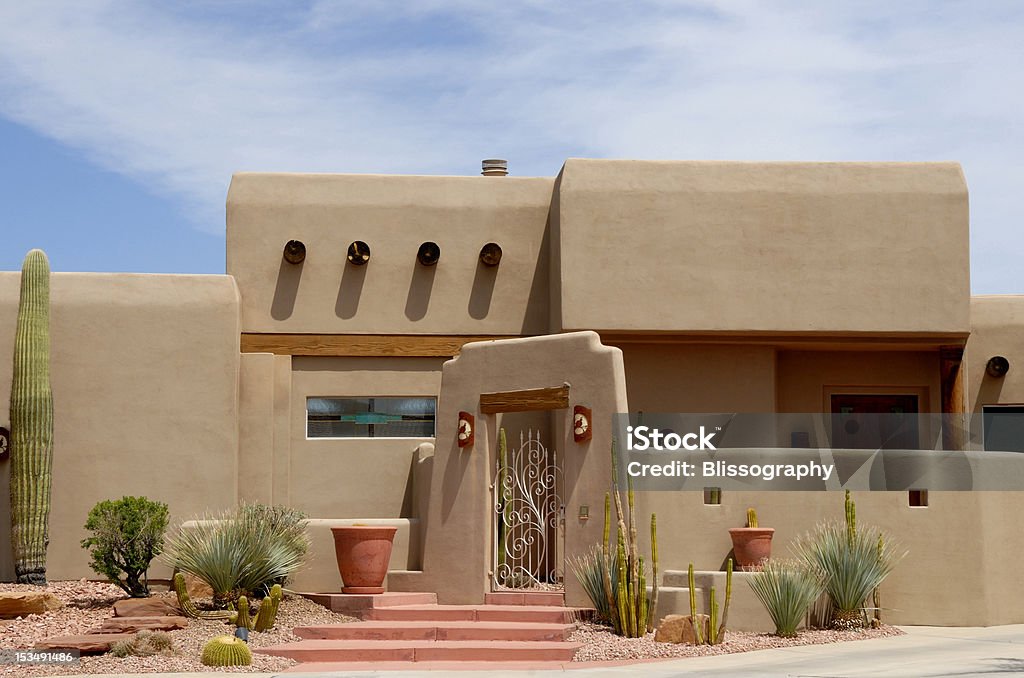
{"type": "Point", "coordinates": [554, 398]}
{"type": "Point", "coordinates": [360, 345]}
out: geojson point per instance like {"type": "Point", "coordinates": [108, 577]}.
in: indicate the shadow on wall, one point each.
{"type": "Point", "coordinates": [350, 291]}
{"type": "Point", "coordinates": [988, 391]}
{"type": "Point", "coordinates": [287, 289]}
{"type": "Point", "coordinates": [483, 291]}
{"type": "Point", "coordinates": [420, 287]}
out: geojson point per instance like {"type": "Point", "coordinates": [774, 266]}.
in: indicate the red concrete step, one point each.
{"type": "Point", "coordinates": [422, 650]}
{"type": "Point", "coordinates": [543, 614]}
{"type": "Point", "coordinates": [358, 605]}
{"type": "Point", "coordinates": [525, 598]}
{"type": "Point", "coordinates": [494, 668]}
{"type": "Point", "coordinates": [437, 630]}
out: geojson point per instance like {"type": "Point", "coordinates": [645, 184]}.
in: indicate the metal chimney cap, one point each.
{"type": "Point", "coordinates": [494, 167]}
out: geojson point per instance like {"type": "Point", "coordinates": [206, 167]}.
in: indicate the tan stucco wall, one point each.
{"type": "Point", "coordinates": [144, 375]}
{"type": "Point", "coordinates": [997, 328]}
{"type": "Point", "coordinates": [773, 247]}
{"type": "Point", "coordinates": [355, 477]}
{"type": "Point", "coordinates": [806, 379]}
{"type": "Point", "coordinates": [669, 377]}
{"type": "Point", "coordinates": [393, 293]}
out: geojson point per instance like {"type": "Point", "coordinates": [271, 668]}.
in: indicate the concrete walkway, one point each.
{"type": "Point", "coordinates": [925, 652]}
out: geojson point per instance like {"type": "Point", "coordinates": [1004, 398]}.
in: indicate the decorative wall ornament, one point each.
{"type": "Point", "coordinates": [294, 251]}
{"type": "Point", "coordinates": [467, 432]}
{"type": "Point", "coordinates": [358, 253]}
{"type": "Point", "coordinates": [429, 253]}
{"type": "Point", "coordinates": [490, 254]}
{"type": "Point", "coordinates": [581, 424]}
{"type": "Point", "coordinates": [5, 444]}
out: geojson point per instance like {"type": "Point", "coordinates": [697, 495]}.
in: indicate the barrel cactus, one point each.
{"type": "Point", "coordinates": [31, 424]}
{"type": "Point", "coordinates": [226, 651]}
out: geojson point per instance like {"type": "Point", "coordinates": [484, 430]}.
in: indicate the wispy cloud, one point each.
{"type": "Point", "coordinates": [180, 98]}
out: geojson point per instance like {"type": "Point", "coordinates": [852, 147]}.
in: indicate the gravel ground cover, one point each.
{"type": "Point", "coordinates": [87, 604]}
{"type": "Point", "coordinates": [600, 644]}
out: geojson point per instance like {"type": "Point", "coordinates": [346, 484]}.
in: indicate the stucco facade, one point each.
{"type": "Point", "coordinates": [653, 286]}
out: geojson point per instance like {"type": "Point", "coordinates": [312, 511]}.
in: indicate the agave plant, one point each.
{"type": "Point", "coordinates": [787, 589]}
{"type": "Point", "coordinates": [854, 562]}
{"type": "Point", "coordinates": [238, 552]}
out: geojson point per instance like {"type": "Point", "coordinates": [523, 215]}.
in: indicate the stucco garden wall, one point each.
{"type": "Point", "coordinates": [145, 389]}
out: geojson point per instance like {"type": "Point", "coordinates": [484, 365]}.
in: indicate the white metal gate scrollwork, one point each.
{"type": "Point", "coordinates": [528, 516]}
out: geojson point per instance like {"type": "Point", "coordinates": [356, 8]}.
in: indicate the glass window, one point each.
{"type": "Point", "coordinates": [370, 417]}
{"type": "Point", "coordinates": [1004, 427]}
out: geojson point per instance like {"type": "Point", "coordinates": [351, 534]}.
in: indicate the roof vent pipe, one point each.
{"type": "Point", "coordinates": [495, 167]}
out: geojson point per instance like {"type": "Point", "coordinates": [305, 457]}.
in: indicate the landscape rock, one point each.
{"type": "Point", "coordinates": [197, 588]}
{"type": "Point", "coordinates": [133, 624]}
{"type": "Point", "coordinates": [678, 628]}
{"type": "Point", "coordinates": [23, 603]}
{"type": "Point", "coordinates": [86, 644]}
{"type": "Point", "coordinates": [146, 607]}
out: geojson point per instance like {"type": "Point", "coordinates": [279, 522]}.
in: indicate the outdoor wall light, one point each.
{"type": "Point", "coordinates": [358, 253]}
{"type": "Point", "coordinates": [294, 252]}
{"type": "Point", "coordinates": [490, 254]}
{"type": "Point", "coordinates": [467, 434]}
{"type": "Point", "coordinates": [581, 424]}
{"type": "Point", "coordinates": [997, 367]}
{"type": "Point", "coordinates": [584, 513]}
{"type": "Point", "coordinates": [429, 253]}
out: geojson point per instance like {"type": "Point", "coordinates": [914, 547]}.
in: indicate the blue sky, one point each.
{"type": "Point", "coordinates": [121, 122]}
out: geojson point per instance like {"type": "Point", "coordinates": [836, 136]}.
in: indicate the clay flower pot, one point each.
{"type": "Point", "coordinates": [363, 552]}
{"type": "Point", "coordinates": [751, 546]}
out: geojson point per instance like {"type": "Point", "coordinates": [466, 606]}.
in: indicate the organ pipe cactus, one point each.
{"type": "Point", "coordinates": [242, 619]}
{"type": "Point", "coordinates": [751, 518]}
{"type": "Point", "coordinates": [632, 608]}
{"type": "Point", "coordinates": [268, 609]}
{"type": "Point", "coordinates": [718, 616]}
{"type": "Point", "coordinates": [31, 424]}
{"type": "Point", "coordinates": [190, 609]}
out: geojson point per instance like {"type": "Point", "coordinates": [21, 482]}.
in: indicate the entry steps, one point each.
{"type": "Point", "coordinates": [513, 629]}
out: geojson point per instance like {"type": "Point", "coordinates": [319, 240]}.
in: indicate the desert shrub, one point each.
{"type": "Point", "coordinates": [854, 562]}
{"type": "Point", "coordinates": [590, 570]}
{"type": "Point", "coordinates": [144, 644]}
{"type": "Point", "coordinates": [787, 589]}
{"type": "Point", "coordinates": [288, 525]}
{"type": "Point", "coordinates": [240, 551]}
{"type": "Point", "coordinates": [127, 534]}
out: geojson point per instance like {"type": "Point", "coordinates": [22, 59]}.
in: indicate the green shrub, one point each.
{"type": "Point", "coordinates": [854, 562]}
{"type": "Point", "coordinates": [787, 589]}
{"type": "Point", "coordinates": [240, 551]}
{"type": "Point", "coordinates": [126, 535]}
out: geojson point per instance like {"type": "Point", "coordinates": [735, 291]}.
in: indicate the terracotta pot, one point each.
{"type": "Point", "coordinates": [363, 552]}
{"type": "Point", "coordinates": [751, 546]}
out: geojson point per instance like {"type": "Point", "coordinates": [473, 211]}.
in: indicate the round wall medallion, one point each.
{"type": "Point", "coordinates": [997, 366]}
{"type": "Point", "coordinates": [5, 444]}
{"type": "Point", "coordinates": [429, 253]}
{"type": "Point", "coordinates": [358, 253]}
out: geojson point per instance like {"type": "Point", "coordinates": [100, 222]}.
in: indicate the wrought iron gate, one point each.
{"type": "Point", "coordinates": [529, 517]}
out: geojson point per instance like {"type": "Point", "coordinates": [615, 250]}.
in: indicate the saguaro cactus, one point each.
{"type": "Point", "coordinates": [31, 424]}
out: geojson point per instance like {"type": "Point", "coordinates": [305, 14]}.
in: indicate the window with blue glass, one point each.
{"type": "Point", "coordinates": [366, 417]}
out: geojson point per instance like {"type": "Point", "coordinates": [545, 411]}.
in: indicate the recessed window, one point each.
{"type": "Point", "coordinates": [389, 417]}
{"type": "Point", "coordinates": [712, 496]}
{"type": "Point", "coordinates": [918, 498]}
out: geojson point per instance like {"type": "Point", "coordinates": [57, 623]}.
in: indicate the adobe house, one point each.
{"type": "Point", "coordinates": [333, 373]}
